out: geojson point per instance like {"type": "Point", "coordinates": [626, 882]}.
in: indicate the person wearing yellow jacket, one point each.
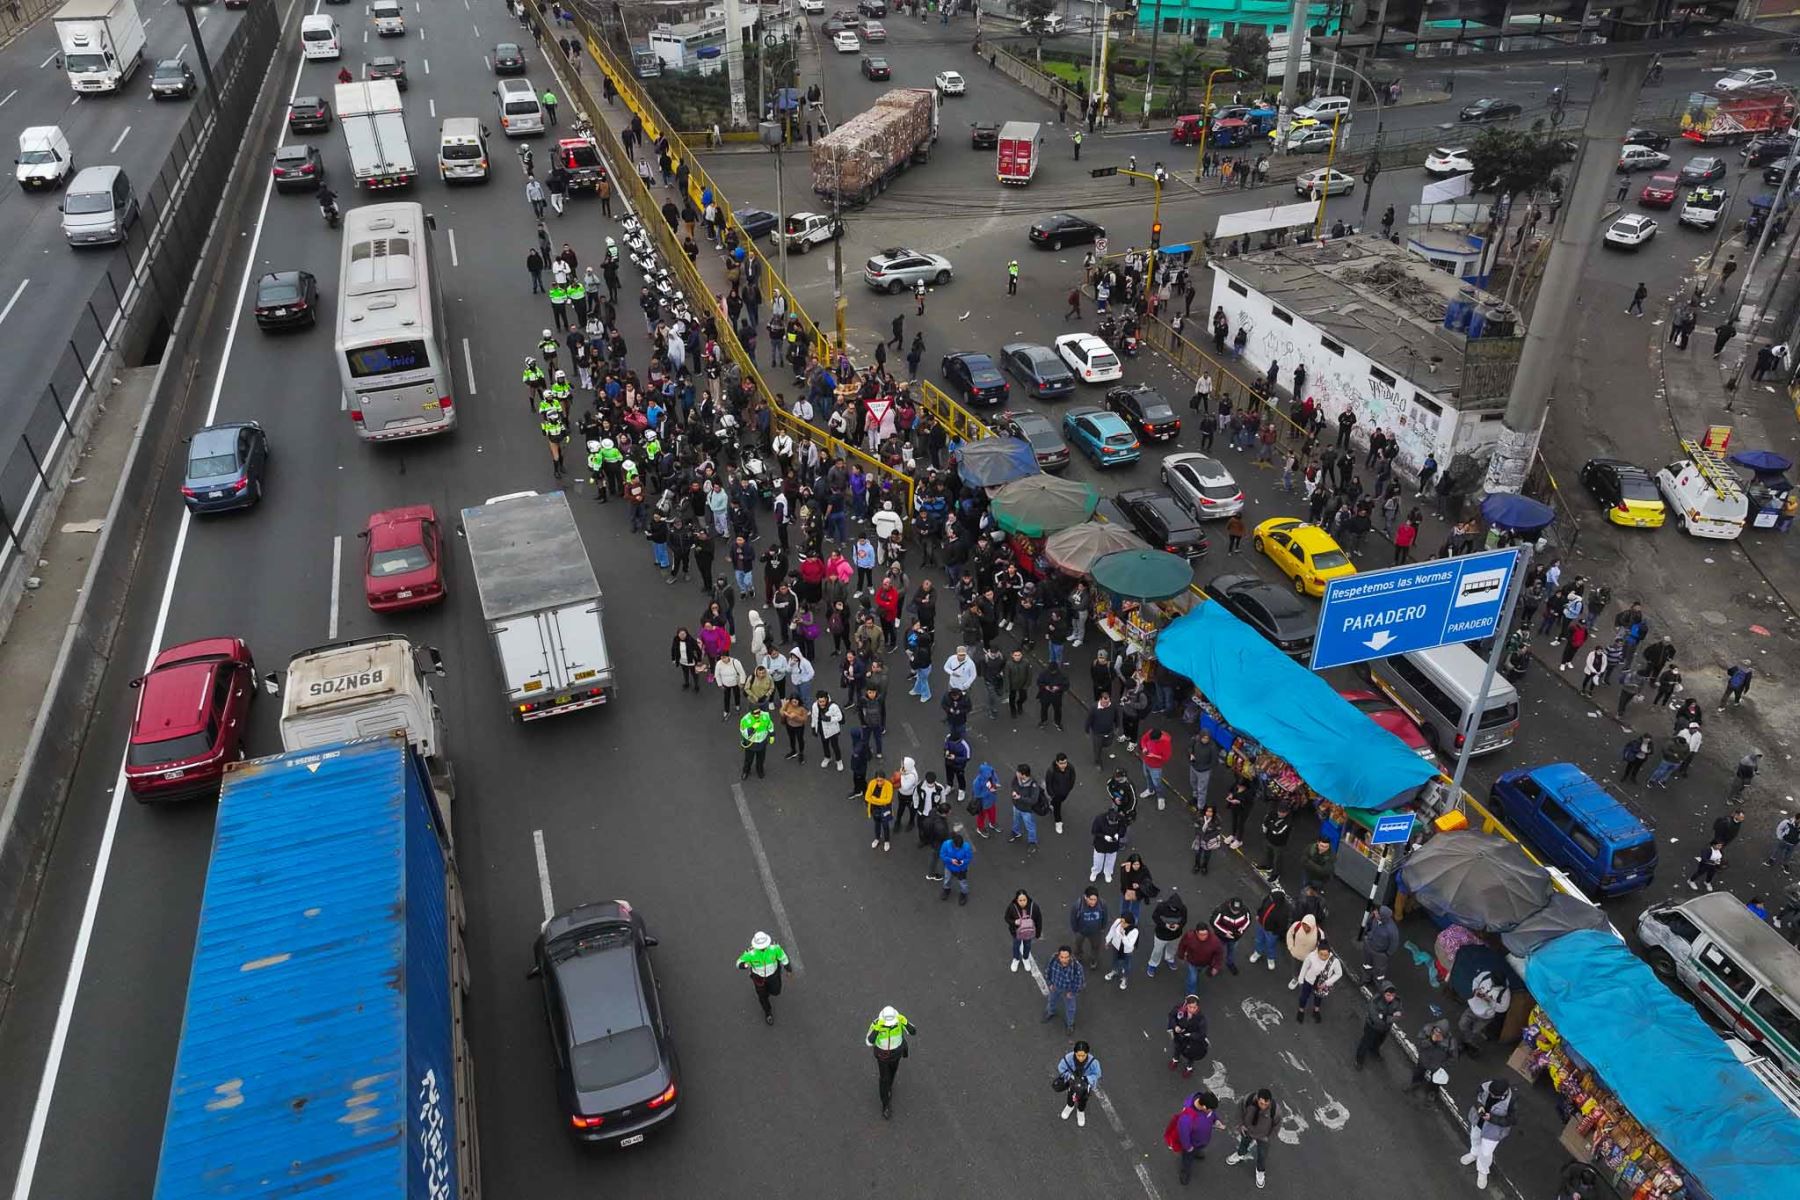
{"type": "Point", "coordinates": [878, 798]}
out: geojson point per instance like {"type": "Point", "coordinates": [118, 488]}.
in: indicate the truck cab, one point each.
{"type": "Point", "coordinates": [365, 688]}
{"type": "Point", "coordinates": [804, 230]}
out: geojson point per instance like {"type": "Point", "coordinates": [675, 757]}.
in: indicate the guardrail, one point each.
{"type": "Point", "coordinates": [16, 16]}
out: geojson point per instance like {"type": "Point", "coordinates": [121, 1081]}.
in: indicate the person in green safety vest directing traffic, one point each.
{"type": "Point", "coordinates": [887, 1034]}
{"type": "Point", "coordinates": [756, 729]}
{"type": "Point", "coordinates": [766, 961]}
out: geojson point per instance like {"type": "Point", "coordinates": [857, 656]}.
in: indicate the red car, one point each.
{"type": "Point", "coordinates": [191, 713]}
{"type": "Point", "coordinates": [1660, 191]}
{"type": "Point", "coordinates": [1391, 717]}
{"type": "Point", "coordinates": [403, 562]}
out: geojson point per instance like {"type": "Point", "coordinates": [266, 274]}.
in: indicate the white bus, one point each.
{"type": "Point", "coordinates": [391, 337]}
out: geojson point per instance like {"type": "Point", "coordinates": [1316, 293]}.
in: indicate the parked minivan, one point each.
{"type": "Point", "coordinates": [98, 207]}
{"type": "Point", "coordinates": [1735, 965]}
{"type": "Point", "coordinates": [1325, 109]}
{"type": "Point", "coordinates": [319, 36]}
{"type": "Point", "coordinates": [462, 149]}
{"type": "Point", "coordinates": [1578, 825]}
{"type": "Point", "coordinates": [1438, 687]}
{"type": "Point", "coordinates": [520, 112]}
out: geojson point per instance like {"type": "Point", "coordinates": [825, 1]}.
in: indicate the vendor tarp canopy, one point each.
{"type": "Point", "coordinates": [993, 461]}
{"type": "Point", "coordinates": [1564, 914]}
{"type": "Point", "coordinates": [1478, 880]}
{"type": "Point", "coordinates": [1262, 220]}
{"type": "Point", "coordinates": [1074, 550]}
{"type": "Point", "coordinates": [1042, 504]}
{"type": "Point", "coordinates": [1667, 1067]}
{"type": "Point", "coordinates": [1264, 694]}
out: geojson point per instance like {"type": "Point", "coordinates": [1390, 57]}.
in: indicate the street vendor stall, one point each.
{"type": "Point", "coordinates": [1772, 495]}
{"type": "Point", "coordinates": [1138, 592]}
{"type": "Point", "coordinates": [994, 461]}
{"type": "Point", "coordinates": [1652, 1096]}
{"type": "Point", "coordinates": [1076, 549]}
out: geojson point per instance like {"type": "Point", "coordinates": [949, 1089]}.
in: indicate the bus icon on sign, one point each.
{"type": "Point", "coordinates": [1481, 587]}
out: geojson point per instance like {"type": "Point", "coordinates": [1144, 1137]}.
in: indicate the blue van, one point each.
{"type": "Point", "coordinates": [1579, 826]}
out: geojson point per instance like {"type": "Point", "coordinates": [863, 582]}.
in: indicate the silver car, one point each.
{"type": "Point", "coordinates": [1202, 485]}
{"type": "Point", "coordinates": [896, 269]}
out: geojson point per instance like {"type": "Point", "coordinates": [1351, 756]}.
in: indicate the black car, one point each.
{"type": "Point", "coordinates": [1613, 482]}
{"type": "Point", "coordinates": [172, 77]}
{"type": "Point", "coordinates": [974, 379]}
{"type": "Point", "coordinates": [1162, 522]}
{"type": "Point", "coordinates": [1489, 109]}
{"type": "Point", "coordinates": [1703, 169]}
{"type": "Point", "coordinates": [616, 1072]}
{"type": "Point", "coordinates": [298, 168]}
{"type": "Point", "coordinates": [386, 66]}
{"type": "Point", "coordinates": [756, 222]}
{"type": "Point", "coordinates": [225, 467]}
{"type": "Point", "coordinates": [876, 67]}
{"type": "Point", "coordinates": [1273, 611]}
{"type": "Point", "coordinates": [309, 114]}
{"type": "Point", "coordinates": [1150, 416]}
{"type": "Point", "coordinates": [1046, 440]}
{"type": "Point", "coordinates": [1777, 171]}
{"type": "Point", "coordinates": [1064, 229]}
{"type": "Point", "coordinates": [1039, 368]}
{"type": "Point", "coordinates": [1646, 137]}
{"type": "Point", "coordinates": [509, 59]}
{"type": "Point", "coordinates": [287, 298]}
{"type": "Point", "coordinates": [984, 135]}
{"type": "Point", "coordinates": [1764, 149]}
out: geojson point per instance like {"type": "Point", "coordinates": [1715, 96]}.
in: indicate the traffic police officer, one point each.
{"type": "Point", "coordinates": [558, 392]}
{"type": "Point", "coordinates": [548, 346]}
{"type": "Point", "coordinates": [766, 961]}
{"type": "Point", "coordinates": [595, 465]}
{"type": "Point", "coordinates": [1012, 277]}
{"type": "Point", "coordinates": [533, 378]}
{"type": "Point", "coordinates": [555, 428]}
{"type": "Point", "coordinates": [887, 1035]}
{"type": "Point", "coordinates": [576, 294]}
{"type": "Point", "coordinates": [755, 730]}
{"type": "Point", "coordinates": [611, 458]}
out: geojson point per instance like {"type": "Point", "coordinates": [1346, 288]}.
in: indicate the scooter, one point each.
{"type": "Point", "coordinates": [328, 208]}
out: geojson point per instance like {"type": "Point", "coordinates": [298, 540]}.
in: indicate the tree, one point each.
{"type": "Point", "coordinates": [1247, 53]}
{"type": "Point", "coordinates": [1032, 14]}
{"type": "Point", "coordinates": [1513, 163]}
{"type": "Point", "coordinates": [1187, 61]}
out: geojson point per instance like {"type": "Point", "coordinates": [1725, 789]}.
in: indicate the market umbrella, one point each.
{"type": "Point", "coordinates": [1476, 879]}
{"type": "Point", "coordinates": [1564, 914]}
{"type": "Point", "coordinates": [1521, 513]}
{"type": "Point", "coordinates": [1143, 574]}
{"type": "Point", "coordinates": [993, 461]}
{"type": "Point", "coordinates": [1075, 549]}
{"type": "Point", "coordinates": [1763, 462]}
{"type": "Point", "coordinates": [1041, 504]}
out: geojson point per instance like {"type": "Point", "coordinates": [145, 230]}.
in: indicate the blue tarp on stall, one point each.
{"type": "Point", "coordinates": [1339, 752]}
{"type": "Point", "coordinates": [1667, 1067]}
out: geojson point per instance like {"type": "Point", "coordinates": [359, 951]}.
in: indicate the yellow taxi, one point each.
{"type": "Point", "coordinates": [1304, 553]}
{"type": "Point", "coordinates": [1626, 491]}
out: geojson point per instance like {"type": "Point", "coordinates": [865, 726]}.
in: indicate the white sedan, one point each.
{"type": "Point", "coordinates": [1089, 357]}
{"type": "Point", "coordinates": [1325, 179]}
{"type": "Point", "coordinates": [1449, 160]}
{"type": "Point", "coordinates": [846, 42]}
{"type": "Point", "coordinates": [1630, 232]}
{"type": "Point", "coordinates": [812, 6]}
{"type": "Point", "coordinates": [950, 83]}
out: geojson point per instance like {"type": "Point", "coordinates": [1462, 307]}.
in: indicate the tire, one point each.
{"type": "Point", "coordinates": [803, 247]}
{"type": "Point", "coordinates": [1056, 243]}
{"type": "Point", "coordinates": [1299, 586]}
{"type": "Point", "coordinates": [1256, 544]}
{"type": "Point", "coordinates": [942, 278]}
{"type": "Point", "coordinates": [1662, 963]}
{"type": "Point", "coordinates": [895, 287]}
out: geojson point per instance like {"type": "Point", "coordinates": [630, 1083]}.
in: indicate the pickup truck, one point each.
{"type": "Point", "coordinates": [804, 230]}
{"type": "Point", "coordinates": [581, 159]}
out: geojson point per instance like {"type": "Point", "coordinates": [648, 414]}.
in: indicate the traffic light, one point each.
{"type": "Point", "coordinates": [1103, 172]}
{"type": "Point", "coordinates": [1156, 235]}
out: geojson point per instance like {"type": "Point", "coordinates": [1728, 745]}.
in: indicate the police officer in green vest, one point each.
{"type": "Point", "coordinates": [766, 961]}
{"type": "Point", "coordinates": [1012, 277]}
{"type": "Point", "coordinates": [559, 304]}
{"type": "Point", "coordinates": [595, 465]}
{"type": "Point", "coordinates": [533, 377]}
{"type": "Point", "coordinates": [555, 428]}
{"type": "Point", "coordinates": [887, 1034]}
{"type": "Point", "coordinates": [652, 453]}
{"type": "Point", "coordinates": [548, 346]}
{"type": "Point", "coordinates": [576, 294]}
{"type": "Point", "coordinates": [559, 390]}
{"type": "Point", "coordinates": [611, 467]}
{"type": "Point", "coordinates": [755, 731]}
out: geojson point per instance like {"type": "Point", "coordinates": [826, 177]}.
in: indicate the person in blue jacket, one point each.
{"type": "Point", "coordinates": [956, 854]}
{"type": "Point", "coordinates": [987, 799]}
{"type": "Point", "coordinates": [1077, 1075]}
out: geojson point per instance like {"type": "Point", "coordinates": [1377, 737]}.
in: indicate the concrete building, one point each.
{"type": "Point", "coordinates": [1383, 334]}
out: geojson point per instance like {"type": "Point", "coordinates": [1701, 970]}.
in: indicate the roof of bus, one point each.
{"type": "Point", "coordinates": [384, 264]}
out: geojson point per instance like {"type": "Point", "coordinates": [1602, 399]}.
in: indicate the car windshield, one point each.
{"type": "Point", "coordinates": [1638, 487]}
{"type": "Point", "coordinates": [78, 63]}
{"type": "Point", "coordinates": [1703, 164]}
{"type": "Point", "coordinates": [402, 560]}
{"type": "Point", "coordinates": [79, 203]}
{"type": "Point", "coordinates": [388, 358]}
{"type": "Point", "coordinates": [614, 1059]}
{"type": "Point", "coordinates": [1219, 491]}
{"type": "Point", "coordinates": [1633, 858]}
{"type": "Point", "coordinates": [168, 70]}
{"type": "Point", "coordinates": [150, 754]}
{"type": "Point", "coordinates": [31, 158]}
{"type": "Point", "coordinates": [1102, 360]}
{"type": "Point", "coordinates": [1326, 560]}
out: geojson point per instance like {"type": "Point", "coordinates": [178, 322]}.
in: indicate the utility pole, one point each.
{"type": "Point", "coordinates": [1547, 341]}
{"type": "Point", "coordinates": [212, 87]}
{"type": "Point", "coordinates": [1290, 72]}
{"type": "Point", "coordinates": [838, 303]}
{"type": "Point", "coordinates": [1150, 75]}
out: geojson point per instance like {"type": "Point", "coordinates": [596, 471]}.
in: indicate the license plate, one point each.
{"type": "Point", "coordinates": [1641, 523]}
{"type": "Point", "coordinates": [407, 595]}
{"type": "Point", "coordinates": [216, 495]}
{"type": "Point", "coordinates": [633, 1140]}
{"type": "Point", "coordinates": [280, 312]}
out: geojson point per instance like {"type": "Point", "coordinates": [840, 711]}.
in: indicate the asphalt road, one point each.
{"type": "Point", "coordinates": [43, 280]}
{"type": "Point", "coordinates": [640, 801]}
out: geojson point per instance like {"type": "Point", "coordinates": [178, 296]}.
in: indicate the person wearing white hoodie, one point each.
{"type": "Point", "coordinates": [1123, 938]}
{"type": "Point", "coordinates": [906, 791]}
{"type": "Point", "coordinates": [729, 674]}
{"type": "Point", "coordinates": [759, 637]}
{"type": "Point", "coordinates": [961, 669]}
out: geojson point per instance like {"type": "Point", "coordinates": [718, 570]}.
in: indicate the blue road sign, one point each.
{"type": "Point", "coordinates": [1412, 607]}
{"type": "Point", "coordinates": [1392, 829]}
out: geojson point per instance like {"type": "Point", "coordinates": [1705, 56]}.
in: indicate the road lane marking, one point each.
{"type": "Point", "coordinates": [469, 366]}
{"type": "Point", "coordinates": [9, 96]}
{"type": "Point", "coordinates": [453, 261]}
{"type": "Point", "coordinates": [432, 104]}
{"type": "Point", "coordinates": [123, 134]}
{"type": "Point", "coordinates": [788, 941]}
{"type": "Point", "coordinates": [427, 63]}
{"type": "Point", "coordinates": [49, 60]}
{"type": "Point", "coordinates": [543, 866]}
{"type": "Point", "coordinates": [487, 62]}
{"type": "Point", "coordinates": [337, 583]}
{"type": "Point", "coordinates": [198, 23]}
{"type": "Point", "coordinates": [17, 292]}
{"type": "Point", "coordinates": [84, 936]}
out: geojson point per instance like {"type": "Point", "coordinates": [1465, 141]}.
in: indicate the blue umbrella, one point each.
{"type": "Point", "coordinates": [991, 462]}
{"type": "Point", "coordinates": [1763, 462]}
{"type": "Point", "coordinates": [1521, 513]}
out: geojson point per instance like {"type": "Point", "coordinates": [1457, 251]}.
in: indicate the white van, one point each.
{"type": "Point", "coordinates": [389, 18]}
{"type": "Point", "coordinates": [1324, 109]}
{"type": "Point", "coordinates": [1703, 494]}
{"type": "Point", "coordinates": [462, 149]}
{"type": "Point", "coordinates": [520, 112]}
{"type": "Point", "coordinates": [1438, 687]}
{"type": "Point", "coordinates": [44, 160]}
{"type": "Point", "coordinates": [319, 36]}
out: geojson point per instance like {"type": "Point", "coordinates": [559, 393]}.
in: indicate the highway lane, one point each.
{"type": "Point", "coordinates": [48, 279]}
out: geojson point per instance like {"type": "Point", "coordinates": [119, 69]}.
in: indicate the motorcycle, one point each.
{"type": "Point", "coordinates": [328, 208]}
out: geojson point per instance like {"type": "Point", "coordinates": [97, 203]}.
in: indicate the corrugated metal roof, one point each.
{"type": "Point", "coordinates": [292, 1072]}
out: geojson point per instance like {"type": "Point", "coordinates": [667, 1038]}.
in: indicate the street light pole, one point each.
{"type": "Point", "coordinates": [1150, 75]}
{"type": "Point", "coordinates": [1374, 167]}
{"type": "Point", "coordinates": [212, 86]}
{"type": "Point", "coordinates": [1206, 119]}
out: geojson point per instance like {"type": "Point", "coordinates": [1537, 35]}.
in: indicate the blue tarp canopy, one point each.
{"type": "Point", "coordinates": [993, 461]}
{"type": "Point", "coordinates": [1338, 751]}
{"type": "Point", "coordinates": [1667, 1067]}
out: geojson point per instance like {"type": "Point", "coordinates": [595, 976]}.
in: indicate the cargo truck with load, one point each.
{"type": "Point", "coordinates": [1016, 153]}
{"type": "Point", "coordinates": [1737, 117]}
{"type": "Point", "coordinates": [541, 602]}
{"type": "Point", "coordinates": [856, 161]}
{"type": "Point", "coordinates": [323, 1047]}
{"type": "Point", "coordinates": [102, 43]}
{"type": "Point", "coordinates": [374, 126]}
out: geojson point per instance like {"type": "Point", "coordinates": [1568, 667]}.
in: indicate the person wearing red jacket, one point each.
{"type": "Point", "coordinates": [1201, 951]}
{"type": "Point", "coordinates": [1155, 748]}
{"type": "Point", "coordinates": [887, 603]}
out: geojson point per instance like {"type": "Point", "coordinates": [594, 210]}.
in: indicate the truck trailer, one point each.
{"type": "Point", "coordinates": [541, 602]}
{"type": "Point", "coordinates": [855, 162]}
{"type": "Point", "coordinates": [102, 43]}
{"type": "Point", "coordinates": [1738, 116]}
{"type": "Point", "coordinates": [1016, 153]}
{"type": "Point", "coordinates": [322, 1050]}
{"type": "Point", "coordinates": [374, 126]}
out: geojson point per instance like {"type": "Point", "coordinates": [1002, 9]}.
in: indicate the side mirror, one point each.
{"type": "Point", "coordinates": [651, 941]}
{"type": "Point", "coordinates": [427, 658]}
{"type": "Point", "coordinates": [535, 972]}
{"type": "Point", "coordinates": [431, 222]}
{"type": "Point", "coordinates": [272, 683]}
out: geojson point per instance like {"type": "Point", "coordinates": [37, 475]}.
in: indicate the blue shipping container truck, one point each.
{"type": "Point", "coordinates": [322, 1052]}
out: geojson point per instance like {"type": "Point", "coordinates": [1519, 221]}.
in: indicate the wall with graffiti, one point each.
{"type": "Point", "coordinates": [1339, 376]}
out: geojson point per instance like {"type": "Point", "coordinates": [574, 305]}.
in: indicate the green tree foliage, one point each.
{"type": "Point", "coordinates": [1248, 53]}
{"type": "Point", "coordinates": [1513, 162]}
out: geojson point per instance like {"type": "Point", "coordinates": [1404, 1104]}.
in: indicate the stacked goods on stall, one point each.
{"type": "Point", "coordinates": [855, 161]}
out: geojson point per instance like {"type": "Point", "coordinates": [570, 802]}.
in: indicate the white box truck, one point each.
{"type": "Point", "coordinates": [541, 602]}
{"type": "Point", "coordinates": [374, 126]}
{"type": "Point", "coordinates": [102, 43]}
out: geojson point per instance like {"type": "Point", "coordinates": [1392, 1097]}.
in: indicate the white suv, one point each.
{"type": "Point", "coordinates": [1744, 77]}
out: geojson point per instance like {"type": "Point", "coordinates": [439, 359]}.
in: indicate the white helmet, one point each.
{"type": "Point", "coordinates": [548, 334]}
{"type": "Point", "coordinates": [761, 941]}
{"type": "Point", "coordinates": [630, 467]}
{"type": "Point", "coordinates": [593, 446]}
{"type": "Point", "coordinates": [560, 377]}
{"type": "Point", "coordinates": [606, 443]}
{"type": "Point", "coordinates": [890, 1016]}
{"type": "Point", "coordinates": [530, 363]}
